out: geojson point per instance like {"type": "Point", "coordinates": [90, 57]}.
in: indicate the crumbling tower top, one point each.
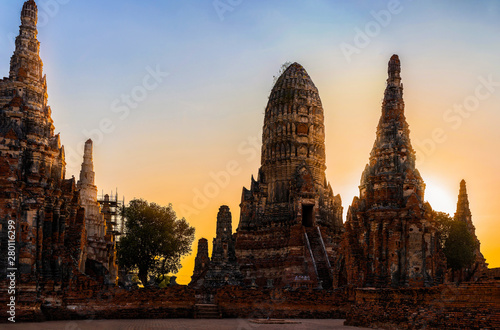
{"type": "Point", "coordinates": [224, 223]}
{"type": "Point", "coordinates": [463, 210]}
{"type": "Point", "coordinates": [394, 68]}
{"type": "Point", "coordinates": [26, 64]}
{"type": "Point", "coordinates": [87, 174]}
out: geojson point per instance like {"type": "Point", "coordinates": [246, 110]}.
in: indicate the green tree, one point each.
{"type": "Point", "coordinates": [155, 240]}
{"type": "Point", "coordinates": [457, 242]}
{"type": "Point", "coordinates": [444, 225]}
{"type": "Point", "coordinates": [459, 247]}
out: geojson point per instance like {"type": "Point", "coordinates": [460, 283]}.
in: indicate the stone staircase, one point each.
{"type": "Point", "coordinates": [207, 311]}
{"type": "Point", "coordinates": [322, 264]}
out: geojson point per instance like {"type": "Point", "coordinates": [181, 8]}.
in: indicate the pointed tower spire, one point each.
{"type": "Point", "coordinates": [393, 105]}
{"type": "Point", "coordinates": [26, 62]}
{"type": "Point", "coordinates": [392, 159]}
{"type": "Point", "coordinates": [387, 224]}
{"type": "Point", "coordinates": [87, 174]}
{"type": "Point", "coordinates": [26, 83]}
{"type": "Point", "coordinates": [29, 14]}
{"type": "Point", "coordinates": [463, 210]}
{"type": "Point", "coordinates": [464, 214]}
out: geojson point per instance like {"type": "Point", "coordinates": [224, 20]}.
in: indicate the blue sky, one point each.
{"type": "Point", "coordinates": [220, 75]}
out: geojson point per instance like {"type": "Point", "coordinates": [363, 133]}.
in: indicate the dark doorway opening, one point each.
{"type": "Point", "coordinates": [307, 215]}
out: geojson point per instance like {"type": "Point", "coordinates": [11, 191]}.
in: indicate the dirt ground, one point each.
{"type": "Point", "coordinates": [225, 324]}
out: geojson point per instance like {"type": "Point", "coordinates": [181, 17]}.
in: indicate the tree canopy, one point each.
{"type": "Point", "coordinates": [155, 240]}
{"type": "Point", "coordinates": [444, 225]}
{"type": "Point", "coordinates": [459, 247]}
{"type": "Point", "coordinates": [457, 242]}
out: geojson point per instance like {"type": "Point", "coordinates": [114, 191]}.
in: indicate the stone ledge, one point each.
{"type": "Point", "coordinates": [273, 321]}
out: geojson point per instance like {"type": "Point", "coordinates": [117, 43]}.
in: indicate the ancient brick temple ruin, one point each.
{"type": "Point", "coordinates": [464, 214]}
{"type": "Point", "coordinates": [391, 238]}
{"type": "Point", "coordinates": [201, 263]}
{"type": "Point", "coordinates": [49, 219]}
{"type": "Point", "coordinates": [291, 222]}
{"type": "Point", "coordinates": [101, 254]}
{"type": "Point", "coordinates": [223, 268]}
{"type": "Point", "coordinates": [291, 256]}
{"type": "Point", "coordinates": [291, 232]}
{"type": "Point", "coordinates": [50, 211]}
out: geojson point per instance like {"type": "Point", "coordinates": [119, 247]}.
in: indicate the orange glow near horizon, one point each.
{"type": "Point", "coordinates": [442, 169]}
{"type": "Point", "coordinates": [174, 96]}
{"type": "Point", "coordinates": [440, 198]}
{"type": "Point", "coordinates": [215, 168]}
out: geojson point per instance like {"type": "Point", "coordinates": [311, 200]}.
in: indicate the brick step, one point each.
{"type": "Point", "coordinates": [207, 316]}
{"type": "Point", "coordinates": [207, 311]}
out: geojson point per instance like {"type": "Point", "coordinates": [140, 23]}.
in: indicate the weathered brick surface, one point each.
{"type": "Point", "coordinates": [391, 238]}
{"type": "Point", "coordinates": [222, 269]}
{"type": "Point", "coordinates": [291, 192]}
{"type": "Point", "coordinates": [94, 302]}
{"type": "Point", "coordinates": [463, 214]}
{"type": "Point", "coordinates": [468, 306]}
{"type": "Point", "coordinates": [50, 240]}
{"type": "Point", "coordinates": [201, 263]}
{"type": "Point", "coordinates": [278, 303]}
{"type": "Point", "coordinates": [100, 251]}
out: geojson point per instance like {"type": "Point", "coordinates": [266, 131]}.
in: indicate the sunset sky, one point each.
{"type": "Point", "coordinates": [167, 136]}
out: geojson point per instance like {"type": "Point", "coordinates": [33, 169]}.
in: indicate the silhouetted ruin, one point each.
{"type": "Point", "coordinates": [291, 256]}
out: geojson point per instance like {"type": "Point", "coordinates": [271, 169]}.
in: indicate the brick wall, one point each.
{"type": "Point", "coordinates": [278, 303]}
{"type": "Point", "coordinates": [89, 304]}
{"type": "Point", "coordinates": [468, 306]}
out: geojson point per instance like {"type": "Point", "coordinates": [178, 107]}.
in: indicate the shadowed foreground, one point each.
{"type": "Point", "coordinates": [236, 324]}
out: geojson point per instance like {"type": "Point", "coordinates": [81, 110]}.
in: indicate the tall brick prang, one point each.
{"type": "Point", "coordinates": [290, 219]}
{"type": "Point", "coordinates": [391, 238]}
{"type": "Point", "coordinates": [463, 214]}
{"type": "Point", "coordinates": [101, 252]}
{"type": "Point", "coordinates": [50, 226]}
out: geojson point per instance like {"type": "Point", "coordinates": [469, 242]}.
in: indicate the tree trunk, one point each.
{"type": "Point", "coordinates": [143, 276]}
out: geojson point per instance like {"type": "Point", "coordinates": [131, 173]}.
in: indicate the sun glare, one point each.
{"type": "Point", "coordinates": [441, 199]}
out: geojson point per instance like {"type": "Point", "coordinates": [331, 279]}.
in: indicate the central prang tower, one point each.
{"type": "Point", "coordinates": [290, 219]}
